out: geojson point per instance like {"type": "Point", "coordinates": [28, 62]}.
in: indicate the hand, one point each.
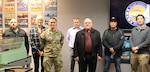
{"type": "Point", "coordinates": [99, 58]}
{"type": "Point", "coordinates": [114, 53]}
{"type": "Point", "coordinates": [134, 48]}
{"type": "Point", "coordinates": [76, 58]}
{"type": "Point", "coordinates": [135, 51]}
{"type": "Point", "coordinates": [40, 53]}
{"type": "Point", "coordinates": [112, 50]}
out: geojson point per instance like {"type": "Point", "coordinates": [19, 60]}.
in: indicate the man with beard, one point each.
{"type": "Point", "coordinates": [15, 31]}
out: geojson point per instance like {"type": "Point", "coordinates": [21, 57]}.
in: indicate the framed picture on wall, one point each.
{"type": "Point", "coordinates": [0, 5]}
{"type": "Point", "coordinates": [48, 15]}
{"type": "Point", "coordinates": [36, 5]}
{"type": "Point", "coordinates": [126, 51]}
{"type": "Point", "coordinates": [22, 5]}
{"type": "Point", "coordinates": [33, 16]}
{"type": "Point", "coordinates": [8, 16]}
{"type": "Point", "coordinates": [50, 5]}
{"type": "Point", "coordinates": [9, 5]}
{"type": "Point", "coordinates": [22, 18]}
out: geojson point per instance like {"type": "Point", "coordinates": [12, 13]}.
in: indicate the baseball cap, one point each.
{"type": "Point", "coordinates": [113, 19]}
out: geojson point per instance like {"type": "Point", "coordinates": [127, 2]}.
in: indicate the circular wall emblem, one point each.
{"type": "Point", "coordinates": [133, 9]}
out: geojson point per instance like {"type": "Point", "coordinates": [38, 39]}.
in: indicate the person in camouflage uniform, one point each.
{"type": "Point", "coordinates": [52, 42]}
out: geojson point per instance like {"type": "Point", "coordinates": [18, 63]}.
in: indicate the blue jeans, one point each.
{"type": "Point", "coordinates": [108, 61]}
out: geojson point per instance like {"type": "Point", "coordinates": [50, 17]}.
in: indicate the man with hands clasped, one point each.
{"type": "Point", "coordinates": [140, 42]}
{"type": "Point", "coordinates": [113, 39]}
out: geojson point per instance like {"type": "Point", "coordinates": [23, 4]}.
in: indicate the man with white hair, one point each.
{"type": "Point", "coordinates": [37, 51]}
{"type": "Point", "coordinates": [88, 47]}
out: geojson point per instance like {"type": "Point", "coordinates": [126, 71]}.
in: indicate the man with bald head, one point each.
{"type": "Point", "coordinates": [87, 47]}
{"type": "Point", "coordinates": [16, 31]}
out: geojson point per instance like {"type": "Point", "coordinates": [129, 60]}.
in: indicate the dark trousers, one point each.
{"type": "Point", "coordinates": [88, 62]}
{"type": "Point", "coordinates": [72, 64]}
{"type": "Point", "coordinates": [36, 58]}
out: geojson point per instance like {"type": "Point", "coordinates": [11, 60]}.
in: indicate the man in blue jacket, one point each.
{"type": "Point", "coordinates": [113, 40]}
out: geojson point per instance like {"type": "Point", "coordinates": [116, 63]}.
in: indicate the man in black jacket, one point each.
{"type": "Point", "coordinates": [15, 31]}
{"type": "Point", "coordinates": [87, 47]}
{"type": "Point", "coordinates": [113, 40]}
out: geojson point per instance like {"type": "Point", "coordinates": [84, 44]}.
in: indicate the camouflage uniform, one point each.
{"type": "Point", "coordinates": [52, 43]}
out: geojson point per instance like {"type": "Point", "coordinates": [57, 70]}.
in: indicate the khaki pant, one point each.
{"type": "Point", "coordinates": [141, 60]}
{"type": "Point", "coordinates": [48, 62]}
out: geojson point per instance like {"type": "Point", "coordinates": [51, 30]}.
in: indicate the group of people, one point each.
{"type": "Point", "coordinates": [85, 44]}
{"type": "Point", "coordinates": [46, 43]}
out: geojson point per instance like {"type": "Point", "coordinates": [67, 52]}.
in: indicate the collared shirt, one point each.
{"type": "Point", "coordinates": [71, 33]}
{"type": "Point", "coordinates": [141, 27]}
{"type": "Point", "coordinates": [35, 38]}
{"type": "Point", "coordinates": [88, 42]}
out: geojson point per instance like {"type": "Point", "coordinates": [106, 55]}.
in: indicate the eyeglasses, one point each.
{"type": "Point", "coordinates": [52, 22]}
{"type": "Point", "coordinates": [39, 22]}
{"type": "Point", "coordinates": [87, 22]}
{"type": "Point", "coordinates": [13, 22]}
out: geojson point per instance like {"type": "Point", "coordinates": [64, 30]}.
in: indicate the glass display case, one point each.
{"type": "Point", "coordinates": [12, 49]}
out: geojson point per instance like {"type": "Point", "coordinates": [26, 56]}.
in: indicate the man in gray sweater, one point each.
{"type": "Point", "coordinates": [140, 41]}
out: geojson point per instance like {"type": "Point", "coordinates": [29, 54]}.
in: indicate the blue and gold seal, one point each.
{"type": "Point", "coordinates": [133, 9]}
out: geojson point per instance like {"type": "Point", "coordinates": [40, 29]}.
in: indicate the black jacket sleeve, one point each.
{"type": "Point", "coordinates": [26, 43]}
{"type": "Point", "coordinates": [76, 45]}
{"type": "Point", "coordinates": [106, 45]}
{"type": "Point", "coordinates": [99, 48]}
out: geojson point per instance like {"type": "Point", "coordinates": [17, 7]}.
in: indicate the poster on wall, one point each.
{"type": "Point", "coordinates": [0, 5]}
{"type": "Point", "coordinates": [50, 5]}
{"type": "Point", "coordinates": [8, 16]}
{"type": "Point", "coordinates": [22, 18]}
{"type": "Point", "coordinates": [9, 5]}
{"type": "Point", "coordinates": [33, 16]}
{"type": "Point", "coordinates": [22, 5]}
{"type": "Point", "coordinates": [48, 15]}
{"type": "Point", "coordinates": [1, 21]}
{"type": "Point", "coordinates": [126, 51]}
{"type": "Point", "coordinates": [36, 5]}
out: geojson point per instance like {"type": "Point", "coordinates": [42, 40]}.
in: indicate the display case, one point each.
{"type": "Point", "coordinates": [13, 55]}
{"type": "Point", "coordinates": [12, 49]}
